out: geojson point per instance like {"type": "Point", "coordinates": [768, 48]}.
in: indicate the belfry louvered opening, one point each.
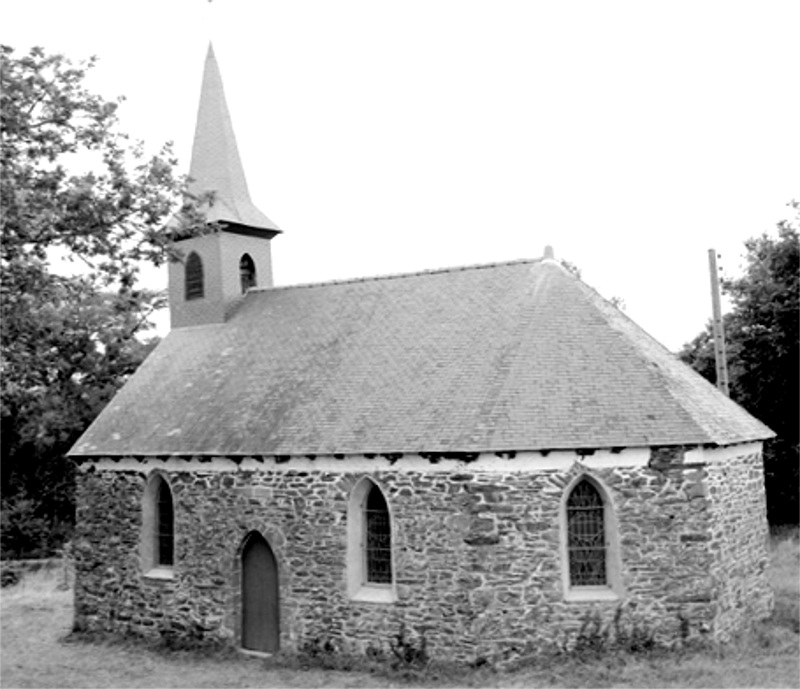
{"type": "Point", "coordinates": [247, 273]}
{"type": "Point", "coordinates": [586, 536]}
{"type": "Point", "coordinates": [195, 288]}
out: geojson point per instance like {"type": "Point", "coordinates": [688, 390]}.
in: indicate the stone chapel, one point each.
{"type": "Point", "coordinates": [481, 454]}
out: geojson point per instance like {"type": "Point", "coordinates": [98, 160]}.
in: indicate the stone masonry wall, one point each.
{"type": "Point", "coordinates": [739, 541]}
{"type": "Point", "coordinates": [477, 555]}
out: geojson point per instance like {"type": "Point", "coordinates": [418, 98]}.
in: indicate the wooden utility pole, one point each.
{"type": "Point", "coordinates": [718, 329]}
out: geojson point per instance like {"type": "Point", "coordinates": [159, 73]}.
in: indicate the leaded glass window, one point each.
{"type": "Point", "coordinates": [586, 541]}
{"type": "Point", "coordinates": [247, 273]}
{"type": "Point", "coordinates": [378, 546]}
{"type": "Point", "coordinates": [165, 519]}
{"type": "Point", "coordinates": [194, 277]}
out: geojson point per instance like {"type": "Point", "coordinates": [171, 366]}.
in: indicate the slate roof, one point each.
{"type": "Point", "coordinates": [216, 165]}
{"type": "Point", "coordinates": [511, 356]}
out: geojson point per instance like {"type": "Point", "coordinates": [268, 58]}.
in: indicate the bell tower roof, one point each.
{"type": "Point", "coordinates": [216, 166]}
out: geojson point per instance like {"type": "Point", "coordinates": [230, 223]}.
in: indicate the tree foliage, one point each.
{"type": "Point", "coordinates": [763, 352]}
{"type": "Point", "coordinates": [73, 185]}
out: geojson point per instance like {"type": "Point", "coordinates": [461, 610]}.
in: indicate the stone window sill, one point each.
{"type": "Point", "coordinates": [590, 593]}
{"type": "Point", "coordinates": [160, 573]}
{"type": "Point", "coordinates": [373, 593]}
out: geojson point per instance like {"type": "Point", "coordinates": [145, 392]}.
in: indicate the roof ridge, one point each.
{"type": "Point", "coordinates": [396, 276]}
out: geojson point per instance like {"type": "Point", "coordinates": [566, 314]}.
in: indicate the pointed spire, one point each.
{"type": "Point", "coordinates": [216, 165]}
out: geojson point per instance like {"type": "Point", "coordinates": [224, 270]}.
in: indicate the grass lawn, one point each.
{"type": "Point", "coordinates": [37, 615]}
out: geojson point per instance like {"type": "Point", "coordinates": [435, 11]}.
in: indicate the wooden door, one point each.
{"type": "Point", "coordinates": [260, 611]}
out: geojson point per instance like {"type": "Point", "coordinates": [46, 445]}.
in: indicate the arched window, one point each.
{"type": "Point", "coordinates": [157, 547]}
{"type": "Point", "coordinates": [194, 277]}
{"type": "Point", "coordinates": [247, 272]}
{"type": "Point", "coordinates": [165, 526]}
{"type": "Point", "coordinates": [377, 539]}
{"type": "Point", "coordinates": [370, 570]}
{"type": "Point", "coordinates": [586, 536]}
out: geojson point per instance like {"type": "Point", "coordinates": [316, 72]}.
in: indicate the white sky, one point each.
{"type": "Point", "coordinates": [390, 137]}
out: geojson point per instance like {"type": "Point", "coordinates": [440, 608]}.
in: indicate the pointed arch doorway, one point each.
{"type": "Point", "coordinates": [260, 605]}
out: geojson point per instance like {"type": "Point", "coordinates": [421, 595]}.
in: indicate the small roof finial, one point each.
{"type": "Point", "coordinates": [549, 254]}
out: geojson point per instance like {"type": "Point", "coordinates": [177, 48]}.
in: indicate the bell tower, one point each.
{"type": "Point", "coordinates": [217, 268]}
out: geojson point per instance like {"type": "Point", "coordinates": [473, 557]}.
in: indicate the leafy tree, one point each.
{"type": "Point", "coordinates": [70, 183]}
{"type": "Point", "coordinates": [762, 341]}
